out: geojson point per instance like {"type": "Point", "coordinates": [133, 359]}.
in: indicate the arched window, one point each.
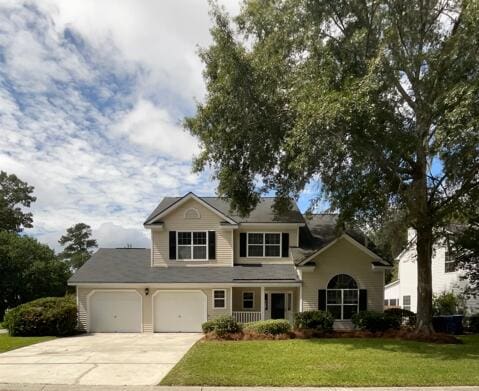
{"type": "Point", "coordinates": [342, 281]}
{"type": "Point", "coordinates": [342, 297]}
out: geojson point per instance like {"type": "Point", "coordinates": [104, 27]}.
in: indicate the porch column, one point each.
{"type": "Point", "coordinates": [262, 303]}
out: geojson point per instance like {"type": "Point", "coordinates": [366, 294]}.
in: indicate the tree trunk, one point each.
{"type": "Point", "coordinates": [424, 242]}
{"type": "Point", "coordinates": [423, 223]}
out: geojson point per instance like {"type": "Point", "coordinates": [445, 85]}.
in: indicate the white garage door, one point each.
{"type": "Point", "coordinates": [178, 311]}
{"type": "Point", "coordinates": [115, 312]}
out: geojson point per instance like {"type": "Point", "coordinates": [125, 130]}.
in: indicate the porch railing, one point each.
{"type": "Point", "coordinates": [246, 316]}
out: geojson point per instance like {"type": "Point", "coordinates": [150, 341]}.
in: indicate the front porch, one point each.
{"type": "Point", "coordinates": [251, 304]}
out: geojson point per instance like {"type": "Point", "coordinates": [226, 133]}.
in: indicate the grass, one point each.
{"type": "Point", "coordinates": [9, 343]}
{"type": "Point", "coordinates": [328, 362]}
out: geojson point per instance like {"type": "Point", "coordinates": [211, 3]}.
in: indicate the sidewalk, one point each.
{"type": "Point", "coordinates": [61, 387]}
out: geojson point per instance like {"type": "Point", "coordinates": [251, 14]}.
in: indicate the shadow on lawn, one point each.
{"type": "Point", "coordinates": [469, 349]}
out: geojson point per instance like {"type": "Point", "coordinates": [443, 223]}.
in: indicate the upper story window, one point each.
{"type": "Point", "coordinates": [192, 245]}
{"type": "Point", "coordinates": [449, 261]}
{"type": "Point", "coordinates": [263, 244]}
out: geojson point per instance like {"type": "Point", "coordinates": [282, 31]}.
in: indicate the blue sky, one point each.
{"type": "Point", "coordinates": [92, 94]}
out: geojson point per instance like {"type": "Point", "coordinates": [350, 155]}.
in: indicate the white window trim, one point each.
{"type": "Point", "coordinates": [242, 301]}
{"type": "Point", "coordinates": [264, 245]}
{"type": "Point", "coordinates": [192, 245]}
{"type": "Point", "coordinates": [342, 305]}
{"type": "Point", "coordinates": [224, 299]}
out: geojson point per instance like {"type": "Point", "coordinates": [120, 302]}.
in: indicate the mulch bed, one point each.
{"type": "Point", "coordinates": [403, 334]}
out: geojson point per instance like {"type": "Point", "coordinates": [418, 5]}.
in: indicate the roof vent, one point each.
{"type": "Point", "coordinates": [192, 213]}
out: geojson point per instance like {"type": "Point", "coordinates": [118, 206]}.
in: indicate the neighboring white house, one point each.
{"type": "Point", "coordinates": [445, 277]}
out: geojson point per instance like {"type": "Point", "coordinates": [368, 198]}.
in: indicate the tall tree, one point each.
{"type": "Point", "coordinates": [14, 193]}
{"type": "Point", "coordinates": [29, 270]}
{"type": "Point", "coordinates": [376, 98]}
{"type": "Point", "coordinates": [78, 245]}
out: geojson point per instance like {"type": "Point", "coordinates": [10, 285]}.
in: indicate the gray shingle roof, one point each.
{"type": "Point", "coordinates": [133, 266]}
{"type": "Point", "coordinates": [263, 213]}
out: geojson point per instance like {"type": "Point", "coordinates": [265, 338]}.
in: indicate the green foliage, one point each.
{"type": "Point", "coordinates": [78, 245]}
{"type": "Point", "coordinates": [465, 249]}
{"type": "Point", "coordinates": [405, 316]}
{"type": "Point", "coordinates": [14, 193]}
{"type": "Point", "coordinates": [472, 323]}
{"type": "Point", "coordinates": [448, 303]}
{"type": "Point", "coordinates": [208, 326]}
{"type": "Point", "coordinates": [222, 326]}
{"type": "Point", "coordinates": [270, 326]}
{"type": "Point", "coordinates": [317, 320]}
{"type": "Point", "coordinates": [46, 316]}
{"type": "Point", "coordinates": [365, 96]}
{"type": "Point", "coordinates": [375, 321]}
{"type": "Point", "coordinates": [28, 270]}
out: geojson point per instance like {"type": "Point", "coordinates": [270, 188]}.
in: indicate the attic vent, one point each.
{"type": "Point", "coordinates": [192, 213]}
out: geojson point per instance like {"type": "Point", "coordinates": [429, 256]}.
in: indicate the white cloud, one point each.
{"type": "Point", "coordinates": [113, 235]}
{"type": "Point", "coordinates": [154, 129]}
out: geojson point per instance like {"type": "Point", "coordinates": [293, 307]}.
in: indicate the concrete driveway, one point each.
{"type": "Point", "coordinates": [97, 359]}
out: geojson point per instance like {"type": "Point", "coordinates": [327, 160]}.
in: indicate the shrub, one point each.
{"type": "Point", "coordinates": [448, 303]}
{"type": "Point", "coordinates": [406, 317]}
{"type": "Point", "coordinates": [222, 326]}
{"type": "Point", "coordinates": [375, 321]}
{"type": "Point", "coordinates": [208, 326]}
{"type": "Point", "coordinates": [317, 320]}
{"type": "Point", "coordinates": [46, 316]}
{"type": "Point", "coordinates": [271, 326]}
{"type": "Point", "coordinates": [472, 323]}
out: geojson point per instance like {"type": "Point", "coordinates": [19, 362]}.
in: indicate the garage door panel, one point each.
{"type": "Point", "coordinates": [116, 311]}
{"type": "Point", "coordinates": [179, 311]}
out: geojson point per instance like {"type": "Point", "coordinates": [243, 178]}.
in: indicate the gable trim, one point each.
{"type": "Point", "coordinates": [184, 199]}
{"type": "Point", "coordinates": [351, 240]}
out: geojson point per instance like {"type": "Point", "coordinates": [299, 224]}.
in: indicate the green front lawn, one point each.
{"type": "Point", "coordinates": [328, 362]}
{"type": "Point", "coordinates": [9, 343]}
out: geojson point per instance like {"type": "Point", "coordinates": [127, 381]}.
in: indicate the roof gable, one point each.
{"type": "Point", "coordinates": [263, 213]}
{"type": "Point", "coordinates": [169, 204]}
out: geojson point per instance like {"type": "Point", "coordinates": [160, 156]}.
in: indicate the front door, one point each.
{"type": "Point", "coordinates": [277, 305]}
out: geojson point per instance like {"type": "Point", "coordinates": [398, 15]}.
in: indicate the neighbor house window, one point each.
{"type": "Point", "coordinates": [386, 302]}
{"type": "Point", "coordinates": [264, 244]}
{"type": "Point", "coordinates": [248, 300]}
{"type": "Point", "coordinates": [406, 302]}
{"type": "Point", "coordinates": [449, 261]}
{"type": "Point", "coordinates": [393, 302]}
{"type": "Point", "coordinates": [342, 297]}
{"type": "Point", "coordinates": [192, 245]}
{"type": "Point", "coordinates": [219, 298]}
{"type": "Point", "coordinates": [290, 301]}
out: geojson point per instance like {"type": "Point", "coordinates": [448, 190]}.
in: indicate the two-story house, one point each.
{"type": "Point", "coordinates": [206, 261]}
{"type": "Point", "coordinates": [446, 277]}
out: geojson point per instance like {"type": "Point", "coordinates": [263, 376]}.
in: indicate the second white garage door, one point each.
{"type": "Point", "coordinates": [115, 312]}
{"type": "Point", "coordinates": [179, 311]}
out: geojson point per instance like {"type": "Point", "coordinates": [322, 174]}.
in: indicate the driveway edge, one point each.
{"type": "Point", "coordinates": [77, 387]}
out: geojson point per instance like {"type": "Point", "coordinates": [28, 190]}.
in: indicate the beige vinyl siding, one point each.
{"type": "Point", "coordinates": [208, 221]}
{"type": "Point", "coordinates": [147, 322]}
{"type": "Point", "coordinates": [82, 308]}
{"type": "Point", "coordinates": [343, 258]}
{"type": "Point", "coordinates": [238, 299]}
{"type": "Point", "coordinates": [293, 242]}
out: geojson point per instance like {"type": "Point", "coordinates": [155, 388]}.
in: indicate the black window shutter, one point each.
{"type": "Point", "coordinates": [211, 245]}
{"type": "Point", "coordinates": [285, 245]}
{"type": "Point", "coordinates": [322, 299]}
{"type": "Point", "coordinates": [242, 244]}
{"type": "Point", "coordinates": [172, 244]}
{"type": "Point", "coordinates": [363, 300]}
